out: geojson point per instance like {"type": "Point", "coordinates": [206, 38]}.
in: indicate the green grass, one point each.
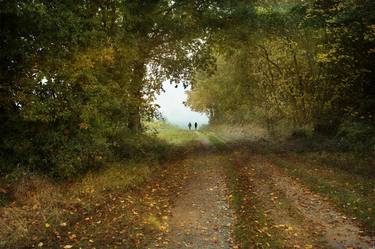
{"type": "Point", "coordinates": [40, 201]}
{"type": "Point", "coordinates": [215, 140]}
{"type": "Point", "coordinates": [115, 177]}
{"type": "Point", "coordinates": [173, 134]}
{"type": "Point", "coordinates": [249, 229]}
{"type": "Point", "coordinates": [353, 195]}
{"type": "Point", "coordinates": [249, 132]}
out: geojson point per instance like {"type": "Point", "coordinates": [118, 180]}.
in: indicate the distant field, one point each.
{"type": "Point", "coordinates": [173, 134]}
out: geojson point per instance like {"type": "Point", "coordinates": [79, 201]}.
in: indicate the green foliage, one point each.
{"type": "Point", "coordinates": [307, 64]}
{"type": "Point", "coordinates": [218, 93]}
{"type": "Point", "coordinates": [77, 78]}
{"type": "Point", "coordinates": [139, 147]}
{"type": "Point", "coordinates": [356, 136]}
{"type": "Point", "coordinates": [301, 133]}
{"type": "Point", "coordinates": [172, 134]}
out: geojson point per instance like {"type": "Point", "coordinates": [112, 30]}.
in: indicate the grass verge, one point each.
{"type": "Point", "coordinates": [354, 196]}
{"type": "Point", "coordinates": [251, 228]}
{"type": "Point", "coordinates": [252, 225]}
{"type": "Point", "coordinates": [84, 213]}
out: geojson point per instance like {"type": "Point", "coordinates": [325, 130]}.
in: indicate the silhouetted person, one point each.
{"type": "Point", "coordinates": [189, 126]}
{"type": "Point", "coordinates": [195, 125]}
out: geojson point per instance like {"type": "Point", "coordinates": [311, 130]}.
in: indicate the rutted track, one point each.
{"type": "Point", "coordinates": [201, 216]}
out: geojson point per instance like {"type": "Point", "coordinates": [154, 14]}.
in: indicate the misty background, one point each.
{"type": "Point", "coordinates": [173, 109]}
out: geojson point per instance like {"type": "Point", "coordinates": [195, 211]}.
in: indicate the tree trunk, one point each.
{"type": "Point", "coordinates": [137, 85]}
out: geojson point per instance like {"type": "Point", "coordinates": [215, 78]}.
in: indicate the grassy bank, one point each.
{"type": "Point", "coordinates": [42, 212]}
{"type": "Point", "coordinates": [352, 194]}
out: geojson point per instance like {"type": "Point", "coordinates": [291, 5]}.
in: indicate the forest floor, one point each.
{"type": "Point", "coordinates": [218, 194]}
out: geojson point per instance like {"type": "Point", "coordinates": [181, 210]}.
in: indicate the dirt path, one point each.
{"type": "Point", "coordinates": [294, 216]}
{"type": "Point", "coordinates": [302, 219]}
{"type": "Point", "coordinates": [201, 217]}
{"type": "Point", "coordinates": [187, 204]}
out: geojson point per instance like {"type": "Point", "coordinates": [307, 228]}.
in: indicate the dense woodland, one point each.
{"type": "Point", "coordinates": [305, 65]}
{"type": "Point", "coordinates": [78, 78]}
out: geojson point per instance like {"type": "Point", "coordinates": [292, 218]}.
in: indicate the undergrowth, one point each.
{"type": "Point", "coordinates": [40, 209]}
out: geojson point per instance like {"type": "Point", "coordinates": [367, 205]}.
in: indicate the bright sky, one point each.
{"type": "Point", "coordinates": [173, 109]}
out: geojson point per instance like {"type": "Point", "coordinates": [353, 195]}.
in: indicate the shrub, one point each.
{"type": "Point", "coordinates": [301, 133]}
{"type": "Point", "coordinates": [127, 145]}
{"type": "Point", "coordinates": [356, 136]}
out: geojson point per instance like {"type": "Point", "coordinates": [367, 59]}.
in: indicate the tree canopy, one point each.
{"type": "Point", "coordinates": [304, 63]}
{"type": "Point", "coordinates": [78, 77]}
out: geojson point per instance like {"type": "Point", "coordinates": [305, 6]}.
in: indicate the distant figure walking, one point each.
{"type": "Point", "coordinates": [196, 125]}
{"type": "Point", "coordinates": [189, 125]}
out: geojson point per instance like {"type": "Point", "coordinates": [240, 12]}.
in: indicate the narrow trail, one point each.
{"type": "Point", "coordinates": [201, 216]}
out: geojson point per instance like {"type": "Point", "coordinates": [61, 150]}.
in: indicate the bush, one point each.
{"type": "Point", "coordinates": [61, 152]}
{"type": "Point", "coordinates": [126, 145]}
{"type": "Point", "coordinates": [356, 136]}
{"type": "Point", "coordinates": [55, 151]}
{"type": "Point", "coordinates": [301, 133]}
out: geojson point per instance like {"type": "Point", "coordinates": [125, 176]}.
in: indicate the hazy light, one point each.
{"type": "Point", "coordinates": [173, 109]}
